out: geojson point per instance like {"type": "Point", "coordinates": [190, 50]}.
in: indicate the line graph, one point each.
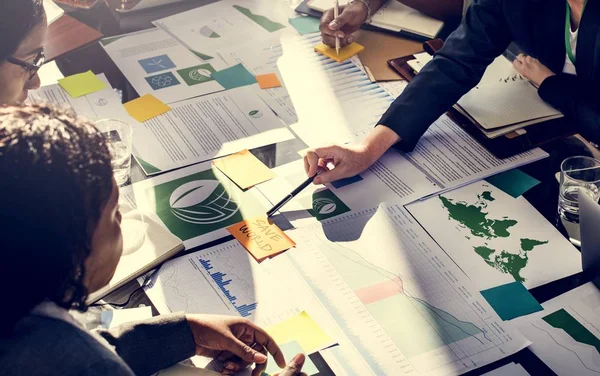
{"type": "Point", "coordinates": [404, 305]}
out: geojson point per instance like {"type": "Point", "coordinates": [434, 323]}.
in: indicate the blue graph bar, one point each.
{"type": "Point", "coordinates": [221, 280]}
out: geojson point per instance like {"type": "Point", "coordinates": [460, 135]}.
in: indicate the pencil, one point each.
{"type": "Point", "coordinates": [336, 13]}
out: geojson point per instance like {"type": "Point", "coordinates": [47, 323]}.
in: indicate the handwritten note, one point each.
{"type": "Point", "coordinates": [146, 107]}
{"type": "Point", "coordinates": [261, 238]}
{"type": "Point", "coordinates": [244, 169]}
{"type": "Point", "coordinates": [81, 84]}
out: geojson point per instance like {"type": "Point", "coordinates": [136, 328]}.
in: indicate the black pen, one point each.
{"type": "Point", "coordinates": [294, 193]}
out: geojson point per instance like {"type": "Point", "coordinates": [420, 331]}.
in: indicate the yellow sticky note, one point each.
{"type": "Point", "coordinates": [301, 328]}
{"type": "Point", "coordinates": [268, 81]}
{"type": "Point", "coordinates": [244, 169]}
{"type": "Point", "coordinates": [345, 53]}
{"type": "Point", "coordinates": [81, 84]}
{"type": "Point", "coordinates": [261, 238]}
{"type": "Point", "coordinates": [146, 107]}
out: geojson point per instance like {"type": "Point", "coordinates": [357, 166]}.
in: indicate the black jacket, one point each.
{"type": "Point", "coordinates": [537, 27]}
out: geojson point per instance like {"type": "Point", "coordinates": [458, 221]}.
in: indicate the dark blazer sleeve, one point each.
{"type": "Point", "coordinates": [151, 345]}
{"type": "Point", "coordinates": [577, 99]}
{"type": "Point", "coordinates": [482, 36]}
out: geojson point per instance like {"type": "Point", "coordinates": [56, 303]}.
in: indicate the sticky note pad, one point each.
{"type": "Point", "coordinates": [233, 77]}
{"type": "Point", "coordinates": [81, 84]}
{"type": "Point", "coordinates": [514, 182]}
{"type": "Point", "coordinates": [305, 25]}
{"type": "Point", "coordinates": [301, 328]}
{"type": "Point", "coordinates": [146, 107]}
{"type": "Point", "coordinates": [261, 238]}
{"type": "Point", "coordinates": [268, 81]}
{"type": "Point", "coordinates": [511, 300]}
{"type": "Point", "coordinates": [244, 169]}
{"type": "Point", "coordinates": [290, 350]}
{"type": "Point", "coordinates": [345, 53]}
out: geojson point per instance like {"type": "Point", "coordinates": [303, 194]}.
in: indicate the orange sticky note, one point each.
{"type": "Point", "coordinates": [146, 107]}
{"type": "Point", "coordinates": [345, 53]}
{"type": "Point", "coordinates": [268, 81]}
{"type": "Point", "coordinates": [244, 169]}
{"type": "Point", "coordinates": [261, 238]}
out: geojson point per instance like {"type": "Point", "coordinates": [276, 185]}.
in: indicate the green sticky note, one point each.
{"type": "Point", "coordinates": [233, 77]}
{"type": "Point", "coordinates": [290, 350]}
{"type": "Point", "coordinates": [81, 84]}
{"type": "Point", "coordinates": [305, 25]}
{"type": "Point", "coordinates": [514, 182]}
{"type": "Point", "coordinates": [511, 300]}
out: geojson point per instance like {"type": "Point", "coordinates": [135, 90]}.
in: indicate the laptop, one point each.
{"type": "Point", "coordinates": [589, 222]}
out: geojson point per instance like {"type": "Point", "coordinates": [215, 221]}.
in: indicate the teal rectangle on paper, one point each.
{"type": "Point", "coordinates": [233, 77]}
{"type": "Point", "coordinates": [514, 182]}
{"type": "Point", "coordinates": [305, 25]}
{"type": "Point", "coordinates": [347, 181]}
{"type": "Point", "coordinates": [511, 300]}
{"type": "Point", "coordinates": [290, 350]}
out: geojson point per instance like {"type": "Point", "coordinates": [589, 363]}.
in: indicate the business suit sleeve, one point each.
{"type": "Point", "coordinates": [456, 68]}
{"type": "Point", "coordinates": [150, 345]}
{"type": "Point", "coordinates": [577, 99]}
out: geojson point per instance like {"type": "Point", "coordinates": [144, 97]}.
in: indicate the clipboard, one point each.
{"type": "Point", "coordinates": [505, 146]}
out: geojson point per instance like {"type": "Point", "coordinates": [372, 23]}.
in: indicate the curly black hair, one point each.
{"type": "Point", "coordinates": [17, 19]}
{"type": "Point", "coordinates": [55, 179]}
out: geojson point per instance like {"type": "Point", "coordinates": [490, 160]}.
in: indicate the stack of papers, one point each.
{"type": "Point", "coordinates": [503, 102]}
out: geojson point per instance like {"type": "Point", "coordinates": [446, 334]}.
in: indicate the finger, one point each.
{"type": "Point", "coordinates": [294, 367]}
{"type": "Point", "coordinates": [312, 159]}
{"type": "Point", "coordinates": [265, 340]}
{"type": "Point", "coordinates": [521, 57]}
{"type": "Point", "coordinates": [337, 173]}
{"type": "Point", "coordinates": [328, 152]}
{"type": "Point", "coordinates": [344, 18]}
{"type": "Point", "coordinates": [245, 352]}
{"type": "Point", "coordinates": [260, 368]}
{"type": "Point", "coordinates": [326, 20]}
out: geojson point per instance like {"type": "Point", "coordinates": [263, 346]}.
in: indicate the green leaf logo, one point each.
{"type": "Point", "coordinates": [255, 114]}
{"type": "Point", "coordinates": [324, 206]}
{"type": "Point", "coordinates": [202, 202]}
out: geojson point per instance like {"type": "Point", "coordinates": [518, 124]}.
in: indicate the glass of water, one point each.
{"type": "Point", "coordinates": [577, 174]}
{"type": "Point", "coordinates": [119, 137]}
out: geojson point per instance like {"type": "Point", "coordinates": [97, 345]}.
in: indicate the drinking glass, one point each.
{"type": "Point", "coordinates": [119, 138]}
{"type": "Point", "coordinates": [577, 174]}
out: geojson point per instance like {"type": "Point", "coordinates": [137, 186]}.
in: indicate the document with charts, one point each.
{"type": "Point", "coordinates": [495, 238]}
{"type": "Point", "coordinates": [566, 334]}
{"type": "Point", "coordinates": [200, 129]}
{"type": "Point", "coordinates": [400, 301]}
{"type": "Point", "coordinates": [261, 58]}
{"type": "Point", "coordinates": [225, 23]}
{"type": "Point", "coordinates": [154, 62]}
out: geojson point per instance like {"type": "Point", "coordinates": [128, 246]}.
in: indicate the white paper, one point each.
{"type": "Point", "coordinates": [510, 369]}
{"type": "Point", "coordinates": [500, 104]}
{"type": "Point", "coordinates": [261, 58]}
{"type": "Point", "coordinates": [197, 203]}
{"type": "Point", "coordinates": [154, 62]}
{"type": "Point", "coordinates": [391, 179]}
{"type": "Point", "coordinates": [116, 317]}
{"type": "Point", "coordinates": [562, 352]}
{"type": "Point", "coordinates": [212, 27]}
{"type": "Point", "coordinates": [496, 239]}
{"type": "Point", "coordinates": [394, 15]}
{"type": "Point", "coordinates": [366, 267]}
{"type": "Point", "coordinates": [453, 158]}
{"type": "Point", "coordinates": [53, 11]}
{"type": "Point", "coordinates": [203, 128]}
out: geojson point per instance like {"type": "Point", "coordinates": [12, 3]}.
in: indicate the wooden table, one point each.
{"type": "Point", "coordinates": [66, 35]}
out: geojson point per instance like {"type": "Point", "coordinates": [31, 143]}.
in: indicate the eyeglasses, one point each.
{"type": "Point", "coordinates": [32, 68]}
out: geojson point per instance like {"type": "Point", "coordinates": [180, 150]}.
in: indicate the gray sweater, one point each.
{"type": "Point", "coordinates": [45, 345]}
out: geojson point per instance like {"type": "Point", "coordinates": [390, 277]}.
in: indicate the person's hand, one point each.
{"type": "Point", "coordinates": [294, 368]}
{"type": "Point", "coordinates": [532, 69]}
{"type": "Point", "coordinates": [349, 20]}
{"type": "Point", "coordinates": [348, 160]}
{"type": "Point", "coordinates": [235, 341]}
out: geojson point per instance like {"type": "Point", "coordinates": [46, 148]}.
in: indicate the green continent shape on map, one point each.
{"type": "Point", "coordinates": [507, 262]}
{"type": "Point", "coordinates": [475, 219]}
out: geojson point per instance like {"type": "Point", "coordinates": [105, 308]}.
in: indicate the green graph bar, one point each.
{"type": "Point", "coordinates": [561, 319]}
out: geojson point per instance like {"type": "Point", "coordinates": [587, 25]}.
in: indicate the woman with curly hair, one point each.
{"type": "Point", "coordinates": [60, 239]}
